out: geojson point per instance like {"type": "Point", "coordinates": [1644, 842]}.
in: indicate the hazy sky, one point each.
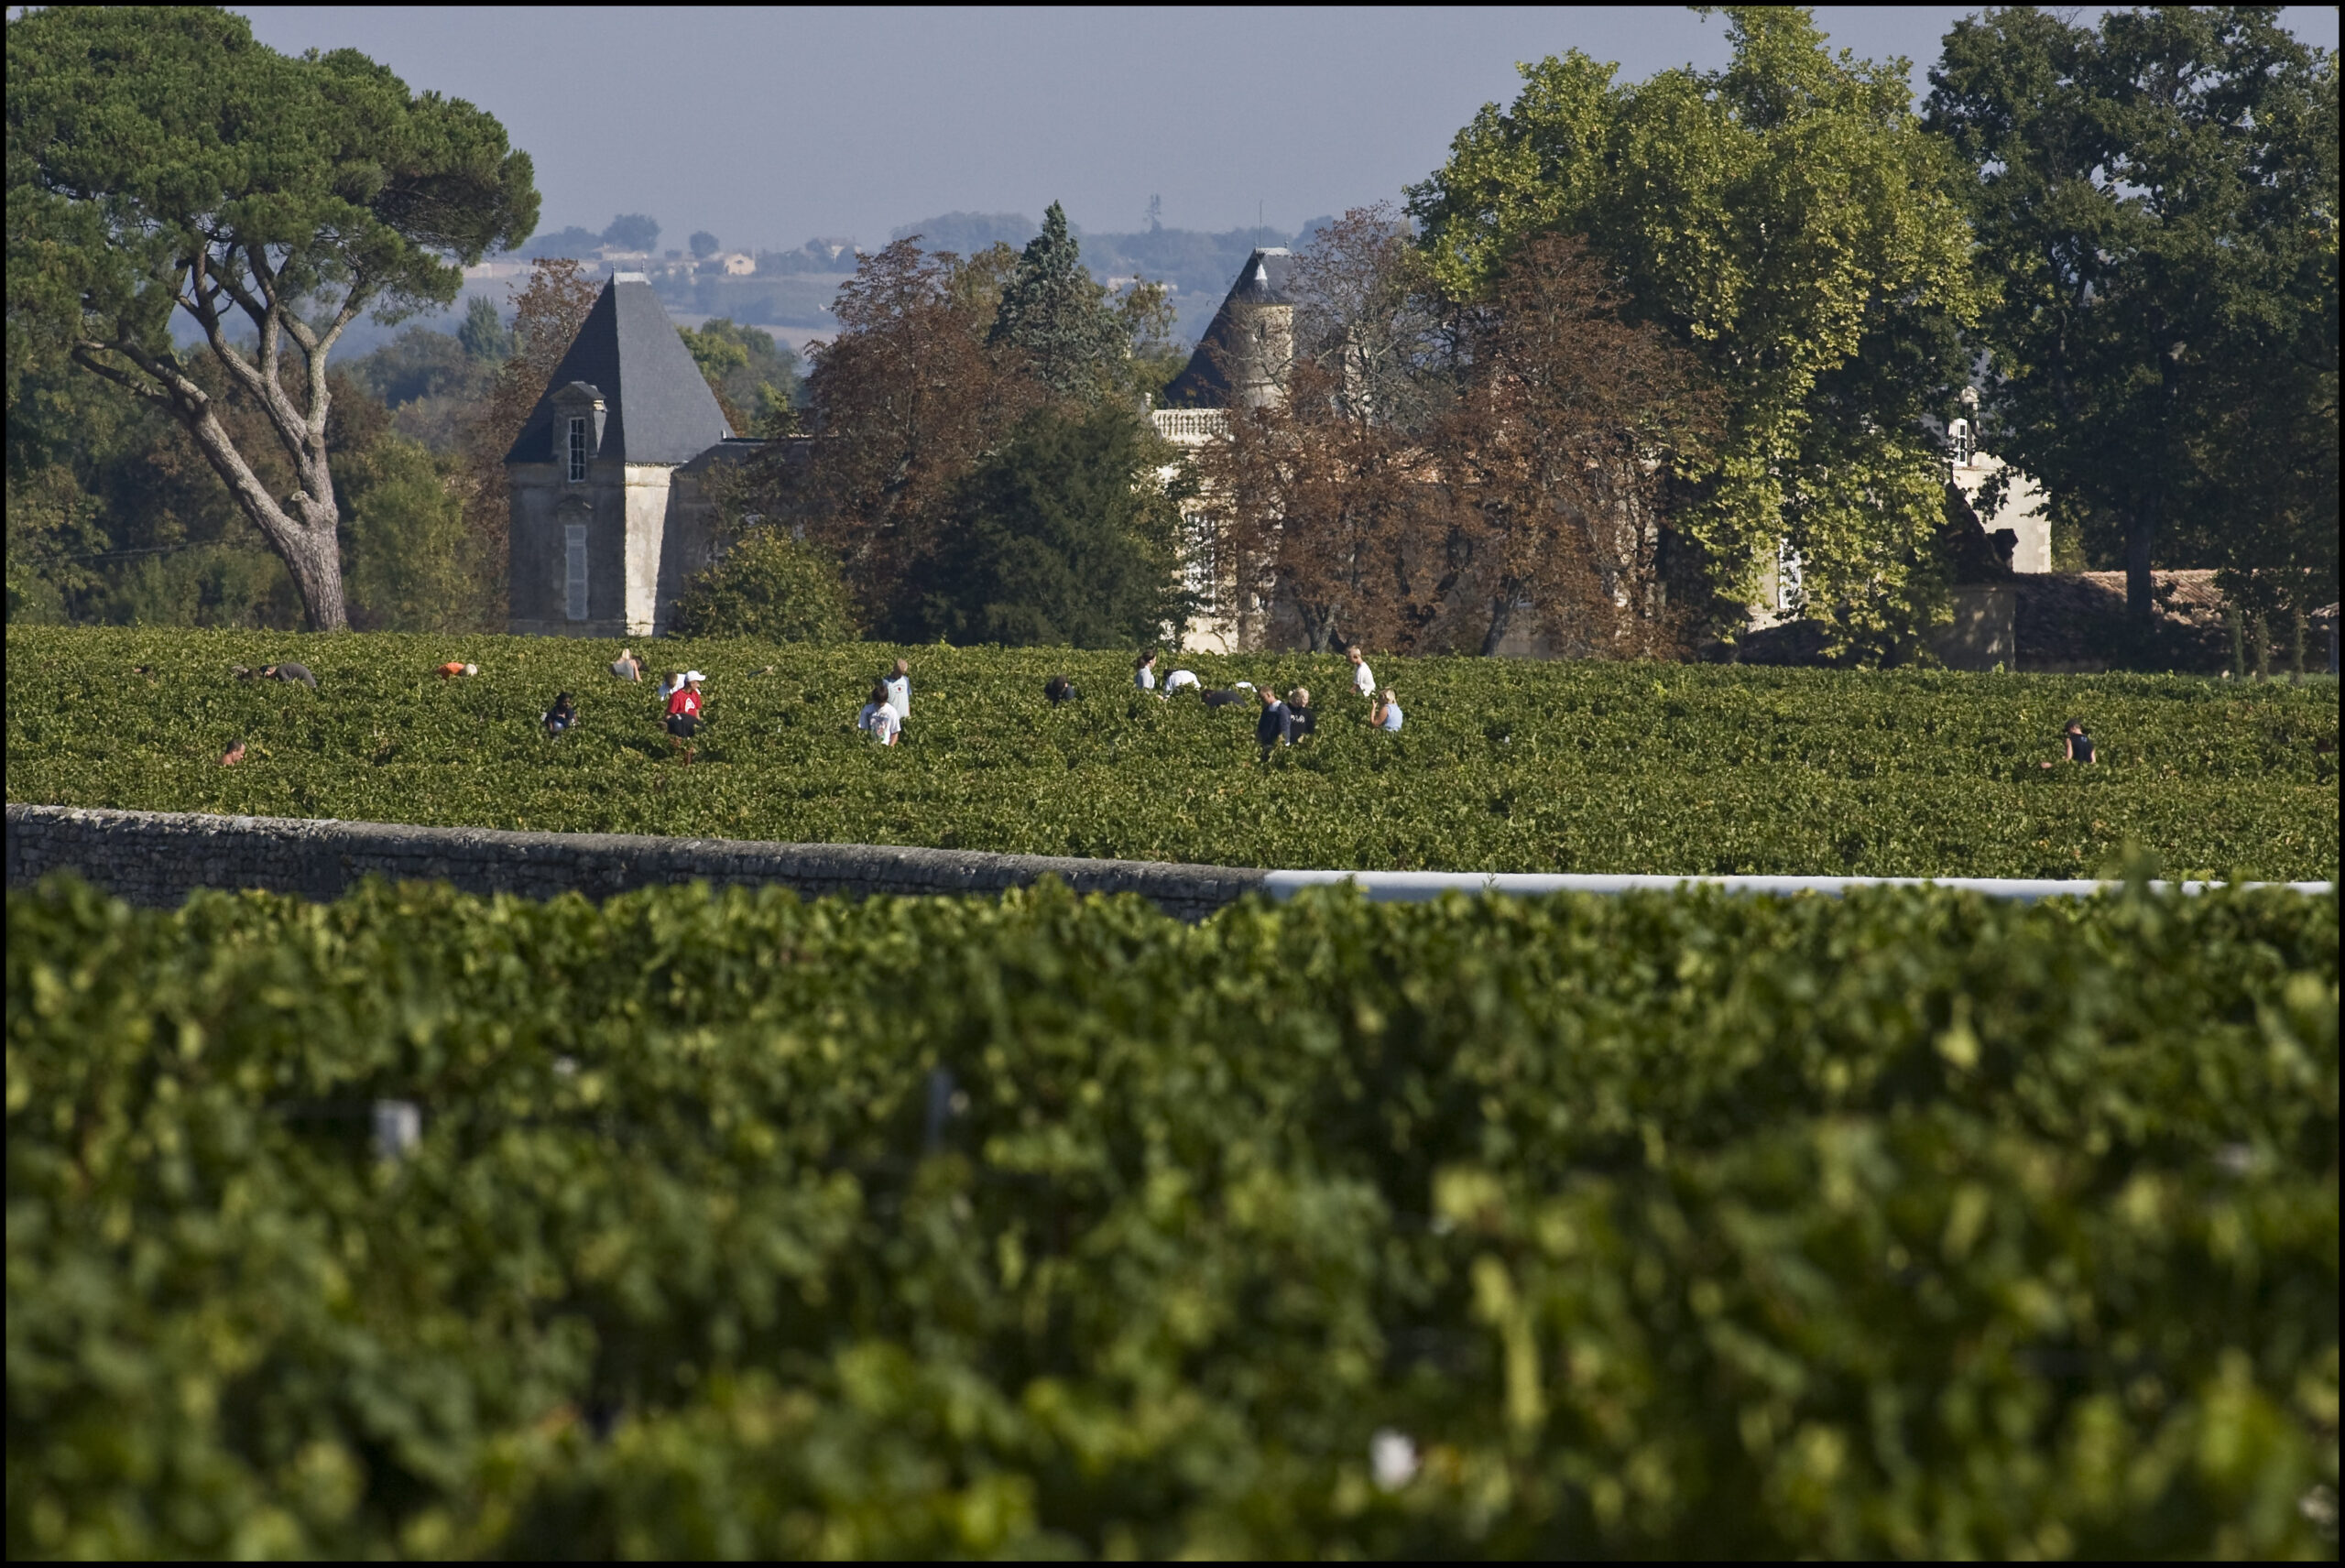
{"type": "Point", "coordinates": [770, 126]}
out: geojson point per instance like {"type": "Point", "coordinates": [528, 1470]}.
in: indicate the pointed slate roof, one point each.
{"type": "Point", "coordinates": [661, 409]}
{"type": "Point", "coordinates": [1262, 281]}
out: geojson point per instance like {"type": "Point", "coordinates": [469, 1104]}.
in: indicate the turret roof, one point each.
{"type": "Point", "coordinates": [661, 408]}
{"type": "Point", "coordinates": [1263, 280]}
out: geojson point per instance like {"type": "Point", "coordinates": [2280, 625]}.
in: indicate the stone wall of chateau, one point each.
{"type": "Point", "coordinates": [158, 857]}
{"type": "Point", "coordinates": [543, 504]}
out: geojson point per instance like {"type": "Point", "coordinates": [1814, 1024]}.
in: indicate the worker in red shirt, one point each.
{"type": "Point", "coordinates": [683, 713]}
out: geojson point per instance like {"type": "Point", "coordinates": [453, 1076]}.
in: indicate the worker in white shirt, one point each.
{"type": "Point", "coordinates": [899, 691]}
{"type": "Point", "coordinates": [1363, 677]}
{"type": "Point", "coordinates": [880, 719]}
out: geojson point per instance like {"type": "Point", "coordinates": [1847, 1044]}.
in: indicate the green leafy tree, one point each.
{"type": "Point", "coordinates": [160, 158]}
{"type": "Point", "coordinates": [1154, 352]}
{"type": "Point", "coordinates": [1057, 314]}
{"type": "Point", "coordinates": [703, 245]}
{"type": "Point", "coordinates": [408, 556]}
{"type": "Point", "coordinates": [420, 363]}
{"type": "Point", "coordinates": [771, 586]}
{"type": "Point", "coordinates": [485, 335]}
{"type": "Point", "coordinates": [2159, 195]}
{"type": "Point", "coordinates": [570, 244]}
{"type": "Point", "coordinates": [2268, 455]}
{"type": "Point", "coordinates": [719, 354]}
{"type": "Point", "coordinates": [632, 231]}
{"type": "Point", "coordinates": [431, 382]}
{"type": "Point", "coordinates": [55, 538]}
{"type": "Point", "coordinates": [115, 516]}
{"type": "Point", "coordinates": [754, 378]}
{"type": "Point", "coordinates": [1788, 220]}
{"type": "Point", "coordinates": [1062, 536]}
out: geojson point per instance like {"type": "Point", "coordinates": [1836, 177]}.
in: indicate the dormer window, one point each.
{"type": "Point", "coordinates": [576, 436]}
{"type": "Point", "coordinates": [1963, 442]}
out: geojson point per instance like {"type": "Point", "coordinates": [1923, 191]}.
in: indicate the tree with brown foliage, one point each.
{"type": "Point", "coordinates": [1318, 500]}
{"type": "Point", "coordinates": [1366, 310]}
{"type": "Point", "coordinates": [937, 364]}
{"type": "Point", "coordinates": [1317, 512]}
{"type": "Point", "coordinates": [1440, 475]}
{"type": "Point", "coordinates": [905, 399]}
{"type": "Point", "coordinates": [1569, 417]}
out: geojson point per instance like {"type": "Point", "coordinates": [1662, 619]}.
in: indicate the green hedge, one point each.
{"type": "Point", "coordinates": [1503, 765]}
{"type": "Point", "coordinates": [1911, 1223]}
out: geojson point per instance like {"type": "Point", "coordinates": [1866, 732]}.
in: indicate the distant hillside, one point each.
{"type": "Point", "coordinates": [793, 288]}
{"type": "Point", "coordinates": [794, 300]}
{"type": "Point", "coordinates": [1200, 266]}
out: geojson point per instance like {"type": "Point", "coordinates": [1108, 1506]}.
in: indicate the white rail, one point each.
{"type": "Point", "coordinates": [1421, 886]}
{"type": "Point", "coordinates": [1190, 427]}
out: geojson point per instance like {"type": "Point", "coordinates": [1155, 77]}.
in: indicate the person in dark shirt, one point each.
{"type": "Point", "coordinates": [1059, 689]}
{"type": "Point", "coordinates": [2077, 743]}
{"type": "Point", "coordinates": [562, 716]}
{"type": "Point", "coordinates": [1222, 699]}
{"type": "Point", "coordinates": [289, 672]}
{"type": "Point", "coordinates": [1276, 726]}
{"type": "Point", "coordinates": [1302, 719]}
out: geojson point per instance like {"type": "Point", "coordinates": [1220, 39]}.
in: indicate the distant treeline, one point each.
{"type": "Point", "coordinates": [793, 287]}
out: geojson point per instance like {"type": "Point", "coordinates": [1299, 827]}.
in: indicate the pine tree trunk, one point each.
{"type": "Point", "coordinates": [312, 556]}
{"type": "Point", "coordinates": [307, 543]}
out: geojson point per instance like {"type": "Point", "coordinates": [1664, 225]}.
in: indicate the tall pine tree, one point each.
{"type": "Point", "coordinates": [1057, 315]}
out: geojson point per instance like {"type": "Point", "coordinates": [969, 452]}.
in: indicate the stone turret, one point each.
{"type": "Point", "coordinates": [1241, 361]}
{"type": "Point", "coordinates": [608, 517]}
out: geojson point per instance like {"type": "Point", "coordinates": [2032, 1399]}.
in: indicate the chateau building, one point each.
{"type": "Point", "coordinates": [2022, 510]}
{"type": "Point", "coordinates": [1241, 361]}
{"type": "Point", "coordinates": [610, 514]}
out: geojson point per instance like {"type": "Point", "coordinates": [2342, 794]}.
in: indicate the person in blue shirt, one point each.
{"type": "Point", "coordinates": [1386, 715]}
{"type": "Point", "coordinates": [1276, 726]}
